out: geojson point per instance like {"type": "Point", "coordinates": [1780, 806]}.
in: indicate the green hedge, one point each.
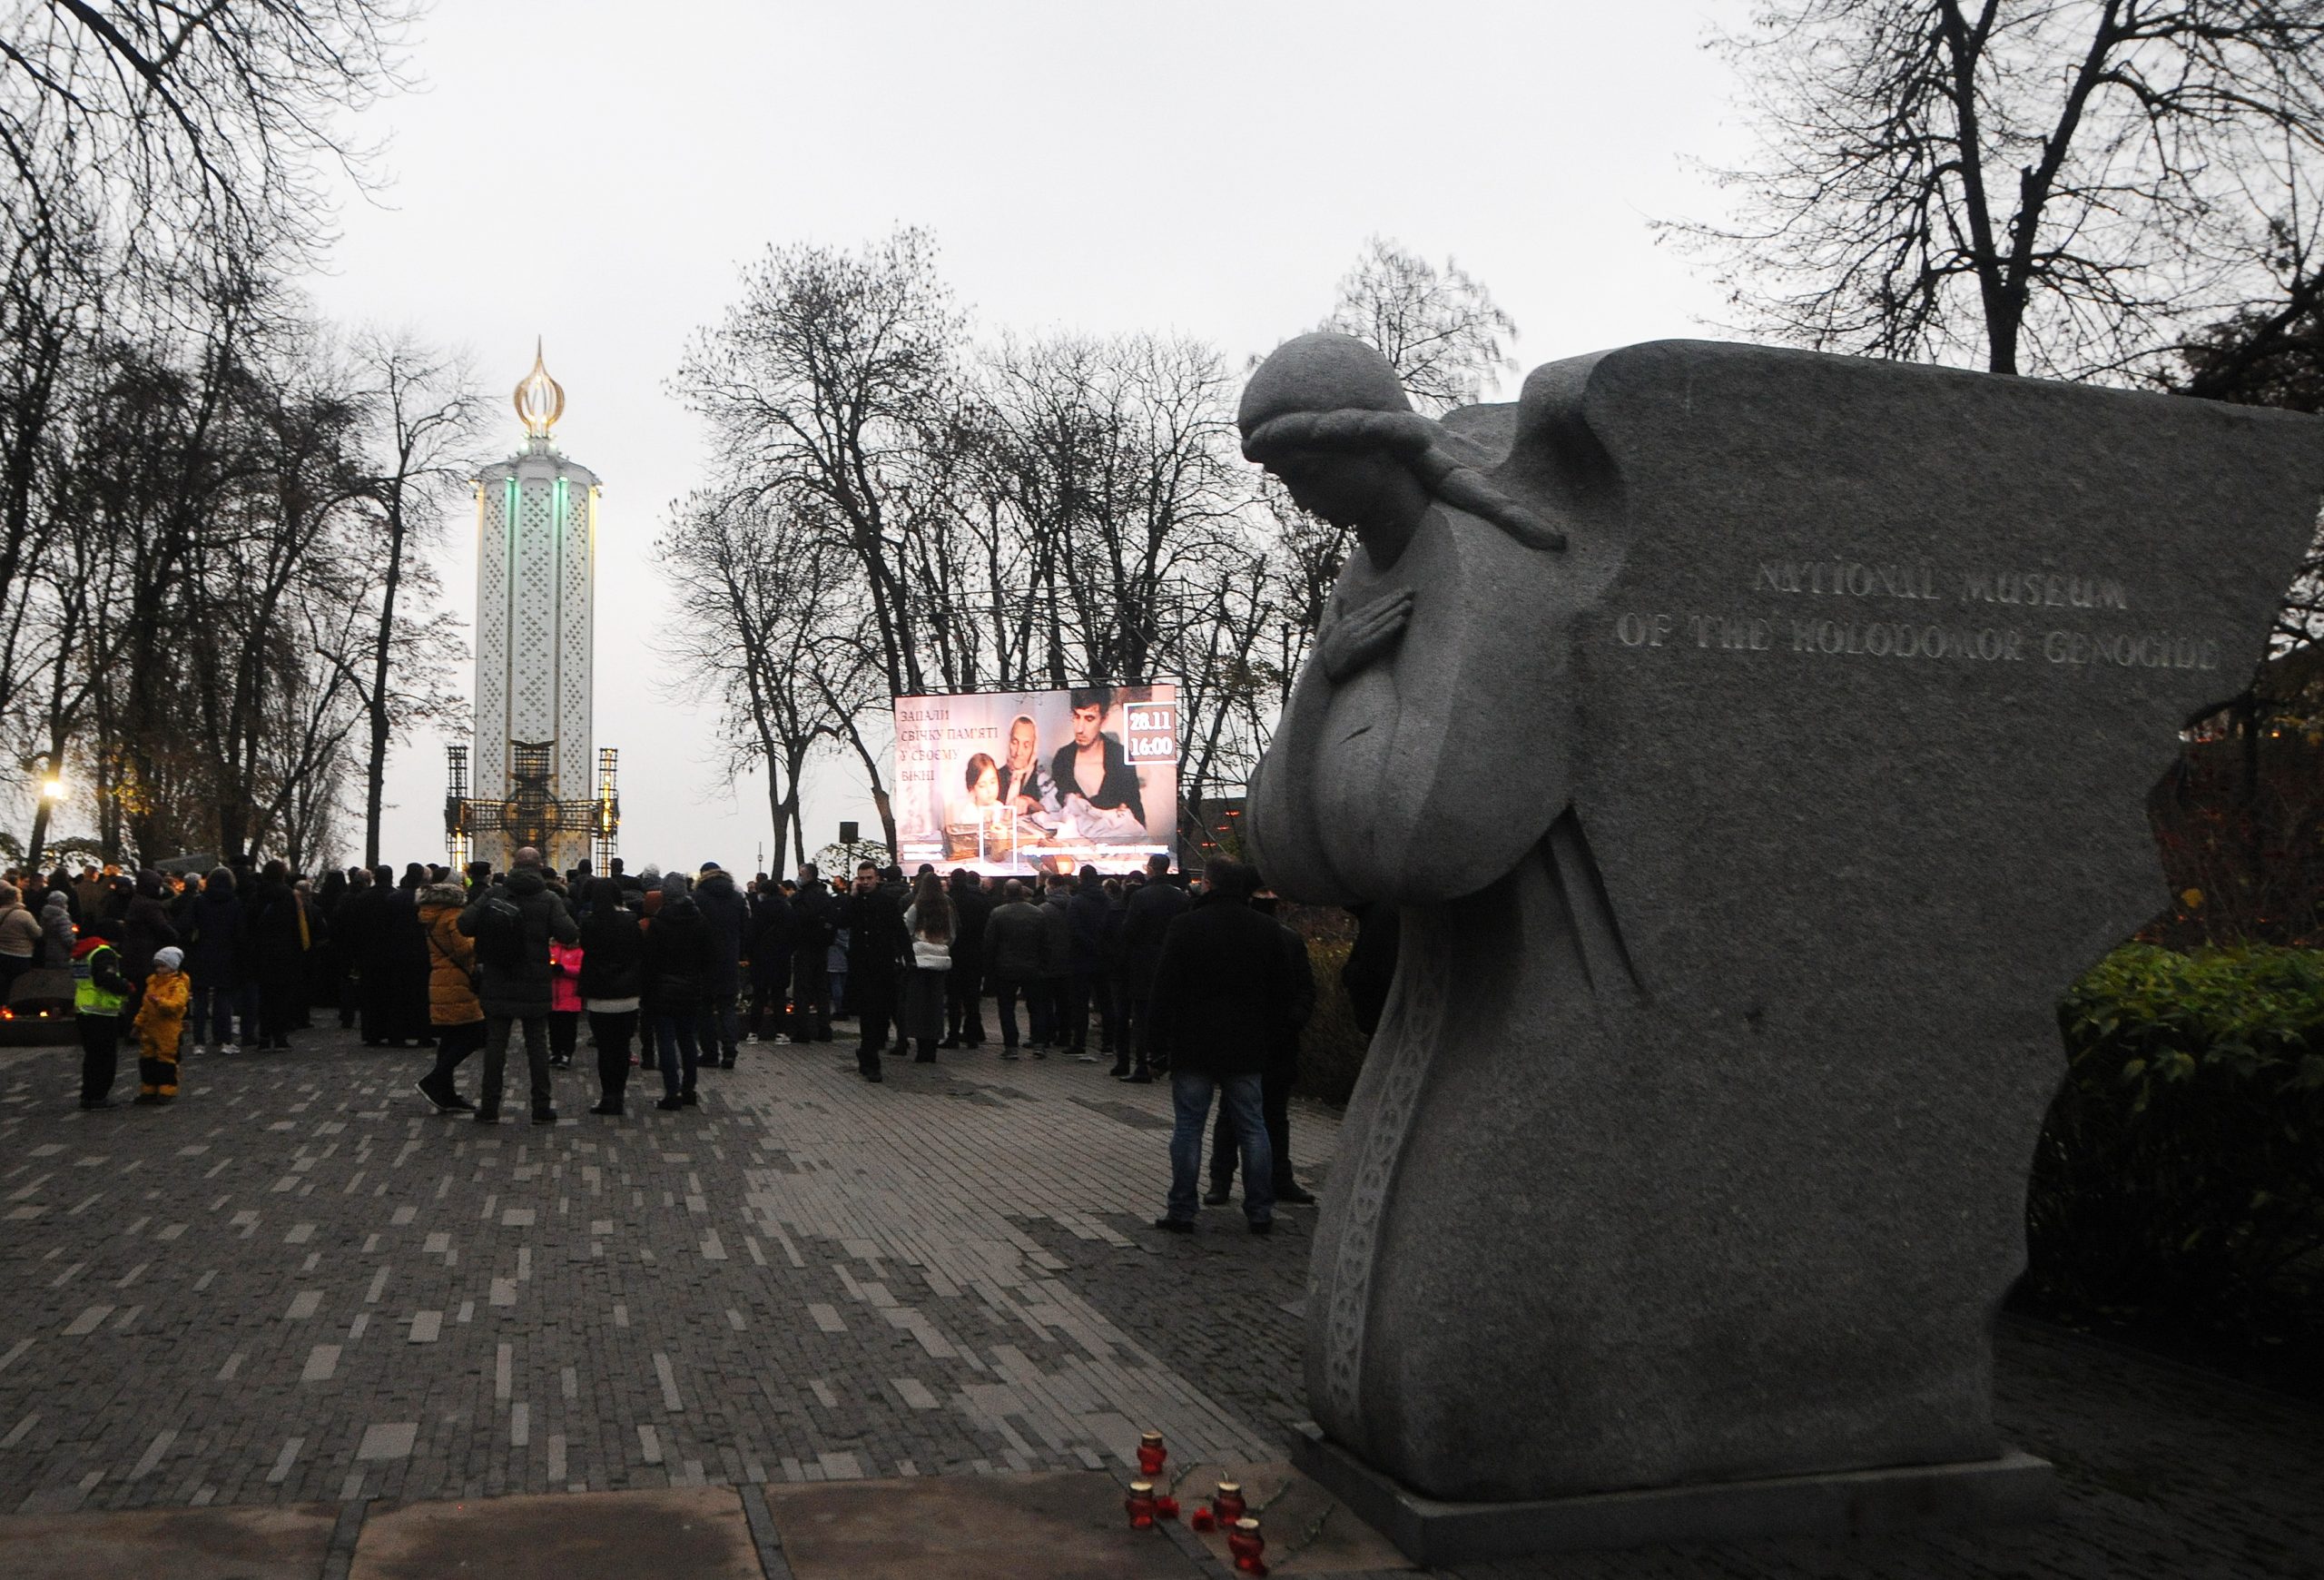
{"type": "Point", "coordinates": [1331, 1050]}
{"type": "Point", "coordinates": [2180, 1177]}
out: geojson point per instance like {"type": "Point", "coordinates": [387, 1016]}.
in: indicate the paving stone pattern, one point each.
{"type": "Point", "coordinates": [298, 1283]}
{"type": "Point", "coordinates": [299, 1287]}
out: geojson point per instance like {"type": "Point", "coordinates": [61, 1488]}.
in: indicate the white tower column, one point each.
{"type": "Point", "coordinates": [536, 526]}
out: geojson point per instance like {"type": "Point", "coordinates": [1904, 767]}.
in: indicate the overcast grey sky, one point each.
{"type": "Point", "coordinates": [572, 170]}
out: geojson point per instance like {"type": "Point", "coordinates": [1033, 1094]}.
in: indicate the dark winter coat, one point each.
{"type": "Point", "coordinates": [1013, 937]}
{"type": "Point", "coordinates": [773, 928]}
{"type": "Point", "coordinates": [145, 928]}
{"type": "Point", "coordinates": [1056, 941]}
{"type": "Point", "coordinates": [815, 918]}
{"type": "Point", "coordinates": [970, 908]}
{"type": "Point", "coordinates": [678, 958]}
{"type": "Point", "coordinates": [1227, 996]}
{"type": "Point", "coordinates": [878, 947]}
{"type": "Point", "coordinates": [523, 990]}
{"type": "Point", "coordinates": [727, 914]}
{"type": "Point", "coordinates": [1088, 908]}
{"type": "Point", "coordinates": [1151, 911]}
{"type": "Point", "coordinates": [613, 954]}
{"type": "Point", "coordinates": [216, 939]}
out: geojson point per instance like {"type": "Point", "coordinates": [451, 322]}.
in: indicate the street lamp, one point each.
{"type": "Point", "coordinates": [52, 790]}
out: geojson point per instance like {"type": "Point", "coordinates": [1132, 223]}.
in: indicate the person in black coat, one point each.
{"type": "Point", "coordinates": [1275, 1083]}
{"type": "Point", "coordinates": [390, 959]}
{"type": "Point", "coordinates": [613, 978]}
{"type": "Point", "coordinates": [772, 930]}
{"type": "Point", "coordinates": [878, 949]}
{"type": "Point", "coordinates": [815, 924]}
{"type": "Point", "coordinates": [145, 926]}
{"type": "Point", "coordinates": [728, 917]}
{"type": "Point", "coordinates": [679, 968]}
{"type": "Point", "coordinates": [1223, 996]}
{"type": "Point", "coordinates": [964, 984]}
{"type": "Point", "coordinates": [216, 944]}
{"type": "Point", "coordinates": [279, 937]}
{"type": "Point", "coordinates": [1144, 923]}
{"type": "Point", "coordinates": [1085, 959]}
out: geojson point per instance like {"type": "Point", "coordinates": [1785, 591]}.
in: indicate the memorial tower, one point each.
{"type": "Point", "coordinates": [536, 778]}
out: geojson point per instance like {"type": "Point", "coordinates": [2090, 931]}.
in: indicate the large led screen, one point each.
{"type": "Point", "coordinates": [1014, 782]}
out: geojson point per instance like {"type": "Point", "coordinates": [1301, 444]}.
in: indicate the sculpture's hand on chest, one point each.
{"type": "Point", "coordinates": [1358, 636]}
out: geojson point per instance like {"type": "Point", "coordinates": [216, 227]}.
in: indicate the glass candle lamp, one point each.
{"type": "Point", "coordinates": [1139, 1505]}
{"type": "Point", "coordinates": [1245, 1542]}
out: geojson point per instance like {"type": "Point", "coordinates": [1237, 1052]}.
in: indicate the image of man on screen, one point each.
{"type": "Point", "coordinates": [1024, 787]}
{"type": "Point", "coordinates": [1093, 776]}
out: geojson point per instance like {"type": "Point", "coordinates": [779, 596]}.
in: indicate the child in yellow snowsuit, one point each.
{"type": "Point", "coordinates": [161, 1020]}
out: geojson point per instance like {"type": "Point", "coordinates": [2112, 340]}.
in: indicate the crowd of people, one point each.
{"type": "Point", "coordinates": [1193, 979]}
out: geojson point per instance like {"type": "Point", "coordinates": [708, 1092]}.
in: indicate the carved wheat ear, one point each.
{"type": "Point", "coordinates": [1422, 445]}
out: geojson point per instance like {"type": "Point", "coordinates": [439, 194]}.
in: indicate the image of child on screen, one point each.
{"type": "Point", "coordinates": [1098, 789]}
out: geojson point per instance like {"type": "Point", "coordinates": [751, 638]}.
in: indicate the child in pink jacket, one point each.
{"type": "Point", "coordinates": [563, 1002]}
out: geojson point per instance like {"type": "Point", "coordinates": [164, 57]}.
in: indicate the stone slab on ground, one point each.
{"type": "Point", "coordinates": [179, 1543]}
{"type": "Point", "coordinates": [1059, 1526]}
{"type": "Point", "coordinates": [2015, 1489]}
{"type": "Point", "coordinates": [698, 1531]}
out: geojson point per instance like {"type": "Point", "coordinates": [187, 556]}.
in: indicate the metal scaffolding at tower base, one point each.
{"type": "Point", "coordinates": [529, 815]}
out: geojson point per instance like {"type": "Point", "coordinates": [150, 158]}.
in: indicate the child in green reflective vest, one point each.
{"type": "Point", "coordinates": [98, 991]}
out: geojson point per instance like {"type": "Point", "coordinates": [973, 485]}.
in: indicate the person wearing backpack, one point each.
{"type": "Point", "coordinates": [513, 922]}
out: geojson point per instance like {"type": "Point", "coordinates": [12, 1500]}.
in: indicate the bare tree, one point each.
{"type": "Point", "coordinates": [1440, 329]}
{"type": "Point", "coordinates": [182, 125]}
{"type": "Point", "coordinates": [2065, 187]}
{"type": "Point", "coordinates": [826, 387]}
{"type": "Point", "coordinates": [425, 409]}
{"type": "Point", "coordinates": [748, 630]}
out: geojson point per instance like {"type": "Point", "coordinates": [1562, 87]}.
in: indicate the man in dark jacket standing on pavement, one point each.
{"type": "Point", "coordinates": [964, 984]}
{"type": "Point", "coordinates": [877, 950]}
{"type": "Point", "coordinates": [679, 960]}
{"type": "Point", "coordinates": [512, 923]}
{"type": "Point", "coordinates": [1014, 937]}
{"type": "Point", "coordinates": [1085, 959]}
{"type": "Point", "coordinates": [1222, 996]}
{"type": "Point", "coordinates": [1151, 911]}
{"type": "Point", "coordinates": [1275, 1083]}
{"type": "Point", "coordinates": [772, 930]}
{"type": "Point", "coordinates": [815, 922]}
{"type": "Point", "coordinates": [727, 915]}
{"type": "Point", "coordinates": [1057, 964]}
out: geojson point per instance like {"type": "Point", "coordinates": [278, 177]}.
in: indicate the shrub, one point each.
{"type": "Point", "coordinates": [2180, 1175]}
{"type": "Point", "coordinates": [1331, 1050]}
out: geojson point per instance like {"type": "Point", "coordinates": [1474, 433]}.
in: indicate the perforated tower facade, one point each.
{"type": "Point", "coordinates": [537, 532]}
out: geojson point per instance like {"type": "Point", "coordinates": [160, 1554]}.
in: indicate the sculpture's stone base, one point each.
{"type": "Point", "coordinates": [2013, 1489]}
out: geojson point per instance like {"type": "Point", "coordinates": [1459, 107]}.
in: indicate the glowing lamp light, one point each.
{"type": "Point", "coordinates": [52, 789]}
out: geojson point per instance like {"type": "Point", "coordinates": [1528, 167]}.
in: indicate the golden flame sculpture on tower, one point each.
{"type": "Point", "coordinates": [540, 399]}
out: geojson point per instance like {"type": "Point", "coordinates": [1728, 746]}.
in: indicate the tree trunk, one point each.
{"type": "Point", "coordinates": [375, 772]}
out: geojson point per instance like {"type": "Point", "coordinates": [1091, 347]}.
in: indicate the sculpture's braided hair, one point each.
{"type": "Point", "coordinates": [1416, 442]}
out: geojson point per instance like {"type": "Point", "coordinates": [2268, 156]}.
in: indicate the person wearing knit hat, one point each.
{"type": "Point", "coordinates": [160, 1024]}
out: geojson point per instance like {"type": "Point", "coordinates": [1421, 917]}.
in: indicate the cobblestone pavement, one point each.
{"type": "Point", "coordinates": [300, 1286]}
